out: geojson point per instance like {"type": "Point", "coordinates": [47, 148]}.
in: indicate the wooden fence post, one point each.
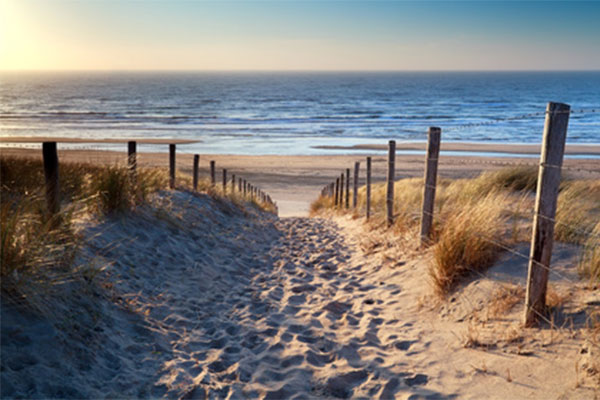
{"type": "Point", "coordinates": [390, 182]}
{"type": "Point", "coordinates": [355, 192]}
{"type": "Point", "coordinates": [337, 191]}
{"type": "Point", "coordinates": [196, 162]}
{"type": "Point", "coordinates": [245, 187]}
{"type": "Point", "coordinates": [172, 166]}
{"type": "Point", "coordinates": [131, 157]}
{"type": "Point", "coordinates": [368, 187]}
{"type": "Point", "coordinates": [431, 167]}
{"type": "Point", "coordinates": [341, 190]}
{"type": "Point", "coordinates": [553, 147]}
{"type": "Point", "coordinates": [51, 174]}
{"type": "Point", "coordinates": [239, 185]}
{"type": "Point", "coordinates": [225, 180]}
{"type": "Point", "coordinates": [232, 183]}
{"type": "Point", "coordinates": [347, 187]}
{"type": "Point", "coordinates": [213, 179]}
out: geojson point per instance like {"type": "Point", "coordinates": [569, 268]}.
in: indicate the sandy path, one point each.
{"type": "Point", "coordinates": [207, 301]}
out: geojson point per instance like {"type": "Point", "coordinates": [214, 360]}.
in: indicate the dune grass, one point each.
{"type": "Point", "coordinates": [476, 218]}
{"type": "Point", "coordinates": [35, 246]}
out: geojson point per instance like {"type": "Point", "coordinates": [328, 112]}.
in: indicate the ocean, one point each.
{"type": "Point", "coordinates": [294, 112]}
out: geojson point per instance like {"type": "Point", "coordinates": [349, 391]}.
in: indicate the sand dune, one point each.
{"type": "Point", "coordinates": [209, 301]}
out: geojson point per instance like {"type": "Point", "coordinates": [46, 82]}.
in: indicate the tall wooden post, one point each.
{"type": "Point", "coordinates": [337, 191]}
{"type": "Point", "coordinates": [172, 166]}
{"type": "Point", "coordinates": [51, 174]}
{"type": "Point", "coordinates": [368, 188]}
{"type": "Point", "coordinates": [342, 190]}
{"type": "Point", "coordinates": [355, 182]}
{"type": "Point", "coordinates": [224, 180]}
{"type": "Point", "coordinates": [239, 185]}
{"type": "Point", "coordinates": [553, 147]}
{"type": "Point", "coordinates": [431, 167]}
{"type": "Point", "coordinates": [131, 157]}
{"type": "Point", "coordinates": [245, 187]}
{"type": "Point", "coordinates": [390, 182]}
{"type": "Point", "coordinates": [232, 183]}
{"type": "Point", "coordinates": [196, 162]}
{"type": "Point", "coordinates": [213, 178]}
{"type": "Point", "coordinates": [347, 187]}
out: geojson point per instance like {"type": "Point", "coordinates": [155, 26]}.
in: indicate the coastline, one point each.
{"type": "Point", "coordinates": [295, 181]}
{"type": "Point", "coordinates": [592, 149]}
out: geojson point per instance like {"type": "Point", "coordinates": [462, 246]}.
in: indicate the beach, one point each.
{"type": "Point", "coordinates": [295, 181]}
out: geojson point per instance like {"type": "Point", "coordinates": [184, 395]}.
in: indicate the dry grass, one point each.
{"type": "Point", "coordinates": [36, 248]}
{"type": "Point", "coordinates": [496, 205]}
{"type": "Point", "coordinates": [464, 243]}
{"type": "Point", "coordinates": [504, 299]}
{"type": "Point", "coordinates": [589, 265]}
{"type": "Point", "coordinates": [321, 204]}
{"type": "Point", "coordinates": [578, 210]}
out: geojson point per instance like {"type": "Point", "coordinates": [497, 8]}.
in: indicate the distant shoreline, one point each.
{"type": "Point", "coordinates": [471, 147]}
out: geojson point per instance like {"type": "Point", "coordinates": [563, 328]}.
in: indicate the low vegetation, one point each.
{"type": "Point", "coordinates": [477, 219]}
{"type": "Point", "coordinates": [36, 247]}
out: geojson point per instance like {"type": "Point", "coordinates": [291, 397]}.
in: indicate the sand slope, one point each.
{"type": "Point", "coordinates": [205, 300]}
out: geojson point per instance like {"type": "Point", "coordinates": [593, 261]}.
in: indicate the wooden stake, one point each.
{"type": "Point", "coordinates": [51, 174]}
{"type": "Point", "coordinates": [232, 183]}
{"type": "Point", "coordinates": [337, 191]}
{"type": "Point", "coordinates": [355, 192]}
{"type": "Point", "coordinates": [224, 180]}
{"type": "Point", "coordinates": [213, 179]}
{"type": "Point", "coordinates": [131, 157]}
{"type": "Point", "coordinates": [239, 185]}
{"type": "Point", "coordinates": [390, 182]}
{"type": "Point", "coordinates": [342, 190]}
{"type": "Point", "coordinates": [172, 166]}
{"type": "Point", "coordinates": [196, 162]}
{"type": "Point", "coordinates": [347, 187]}
{"type": "Point", "coordinates": [431, 166]}
{"type": "Point", "coordinates": [368, 187]}
{"type": "Point", "coordinates": [553, 147]}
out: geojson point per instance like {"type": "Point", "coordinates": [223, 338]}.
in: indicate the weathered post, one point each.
{"type": "Point", "coordinates": [51, 174]}
{"type": "Point", "coordinates": [347, 187]}
{"type": "Point", "coordinates": [232, 183]}
{"type": "Point", "coordinates": [368, 187]}
{"type": "Point", "coordinates": [341, 190]}
{"type": "Point", "coordinates": [172, 166]}
{"type": "Point", "coordinates": [225, 180]}
{"type": "Point", "coordinates": [390, 182]}
{"type": "Point", "coordinates": [213, 179]}
{"type": "Point", "coordinates": [245, 187]}
{"type": "Point", "coordinates": [431, 167]}
{"type": "Point", "coordinates": [355, 192]}
{"type": "Point", "coordinates": [131, 157]}
{"type": "Point", "coordinates": [239, 185]}
{"type": "Point", "coordinates": [553, 147]}
{"type": "Point", "coordinates": [337, 191]}
{"type": "Point", "coordinates": [196, 162]}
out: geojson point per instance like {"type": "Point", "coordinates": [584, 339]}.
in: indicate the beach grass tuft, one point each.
{"type": "Point", "coordinates": [477, 218]}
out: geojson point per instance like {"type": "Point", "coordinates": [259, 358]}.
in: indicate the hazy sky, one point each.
{"type": "Point", "coordinates": [303, 35]}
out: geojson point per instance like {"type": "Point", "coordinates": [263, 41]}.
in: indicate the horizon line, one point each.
{"type": "Point", "coordinates": [296, 70]}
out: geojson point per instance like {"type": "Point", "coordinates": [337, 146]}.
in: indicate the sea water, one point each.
{"type": "Point", "coordinates": [295, 112]}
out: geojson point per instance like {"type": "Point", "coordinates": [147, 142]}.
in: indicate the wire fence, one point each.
{"type": "Point", "coordinates": [585, 233]}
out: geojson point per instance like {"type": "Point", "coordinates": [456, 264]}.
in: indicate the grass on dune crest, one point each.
{"type": "Point", "coordinates": [38, 250]}
{"type": "Point", "coordinates": [496, 205]}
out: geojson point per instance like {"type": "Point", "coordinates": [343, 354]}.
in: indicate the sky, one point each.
{"type": "Point", "coordinates": [298, 35]}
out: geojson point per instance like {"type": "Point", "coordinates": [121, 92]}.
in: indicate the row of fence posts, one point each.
{"type": "Point", "coordinates": [51, 172]}
{"type": "Point", "coordinates": [553, 145]}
